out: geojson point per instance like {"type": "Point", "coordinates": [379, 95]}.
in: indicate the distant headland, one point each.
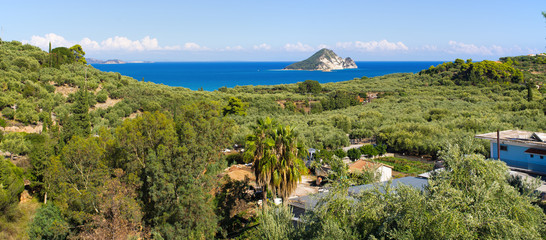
{"type": "Point", "coordinates": [112, 61]}
{"type": "Point", "coordinates": [323, 60]}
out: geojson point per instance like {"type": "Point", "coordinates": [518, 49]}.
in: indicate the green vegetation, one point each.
{"type": "Point", "coordinates": [406, 166]}
{"type": "Point", "coordinates": [235, 106]}
{"type": "Point", "coordinates": [276, 157]}
{"type": "Point", "coordinates": [478, 73]}
{"type": "Point", "coordinates": [146, 160]}
{"type": "Point", "coordinates": [471, 199]}
{"type": "Point", "coordinates": [309, 86]}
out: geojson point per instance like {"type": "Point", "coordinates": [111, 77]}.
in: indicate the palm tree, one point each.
{"type": "Point", "coordinates": [289, 167]}
{"type": "Point", "coordinates": [275, 155]}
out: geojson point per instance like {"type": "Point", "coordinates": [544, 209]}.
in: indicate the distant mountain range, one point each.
{"type": "Point", "coordinates": [325, 60]}
{"type": "Point", "coordinates": [111, 61]}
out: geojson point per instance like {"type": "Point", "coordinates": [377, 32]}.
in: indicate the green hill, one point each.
{"type": "Point", "coordinates": [106, 137]}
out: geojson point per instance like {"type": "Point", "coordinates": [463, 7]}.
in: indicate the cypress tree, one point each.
{"type": "Point", "coordinates": [530, 91]}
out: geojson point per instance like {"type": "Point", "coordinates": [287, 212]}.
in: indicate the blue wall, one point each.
{"type": "Point", "coordinates": [515, 156]}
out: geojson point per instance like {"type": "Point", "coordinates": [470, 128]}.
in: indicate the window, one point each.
{"type": "Point", "coordinates": [532, 156]}
{"type": "Point", "coordinates": [504, 148]}
{"type": "Point", "coordinates": [541, 157]}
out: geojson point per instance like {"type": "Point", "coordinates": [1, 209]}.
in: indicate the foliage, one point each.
{"type": "Point", "coordinates": [309, 86]}
{"type": "Point", "coordinates": [48, 223]}
{"type": "Point", "coordinates": [170, 147]}
{"type": "Point", "coordinates": [340, 153]}
{"type": "Point", "coordinates": [235, 106]}
{"type": "Point", "coordinates": [365, 176]}
{"type": "Point", "coordinates": [275, 222]}
{"type": "Point", "coordinates": [119, 213]}
{"type": "Point", "coordinates": [354, 154]}
{"type": "Point", "coordinates": [11, 185]}
{"type": "Point", "coordinates": [15, 143]}
{"type": "Point", "coordinates": [79, 54]}
{"type": "Point", "coordinates": [471, 199]}
{"type": "Point", "coordinates": [276, 157]}
{"type": "Point", "coordinates": [234, 207]}
{"type": "Point", "coordinates": [406, 166]}
{"type": "Point", "coordinates": [339, 100]}
{"type": "Point", "coordinates": [477, 73]}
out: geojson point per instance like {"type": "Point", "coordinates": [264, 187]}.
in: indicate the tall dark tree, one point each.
{"type": "Point", "coordinates": [79, 122]}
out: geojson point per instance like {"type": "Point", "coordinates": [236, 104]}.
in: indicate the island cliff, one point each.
{"type": "Point", "coordinates": [324, 60]}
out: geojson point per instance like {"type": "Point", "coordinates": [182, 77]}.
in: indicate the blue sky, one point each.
{"type": "Point", "coordinates": [280, 30]}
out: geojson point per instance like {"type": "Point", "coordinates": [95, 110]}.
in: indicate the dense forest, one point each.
{"type": "Point", "coordinates": [91, 154]}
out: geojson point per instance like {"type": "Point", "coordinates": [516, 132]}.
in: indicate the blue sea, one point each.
{"type": "Point", "coordinates": [213, 75]}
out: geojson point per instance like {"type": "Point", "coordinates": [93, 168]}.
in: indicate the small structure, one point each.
{"type": "Point", "coordinates": [519, 149]}
{"type": "Point", "coordinates": [385, 171]}
{"type": "Point", "coordinates": [305, 203]}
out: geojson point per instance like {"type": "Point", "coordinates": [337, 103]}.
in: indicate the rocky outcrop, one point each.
{"type": "Point", "coordinates": [349, 63]}
{"type": "Point", "coordinates": [323, 60]}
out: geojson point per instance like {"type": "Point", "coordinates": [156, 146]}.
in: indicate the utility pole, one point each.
{"type": "Point", "coordinates": [498, 144]}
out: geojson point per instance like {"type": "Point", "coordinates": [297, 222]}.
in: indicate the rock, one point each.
{"type": "Point", "coordinates": [324, 60]}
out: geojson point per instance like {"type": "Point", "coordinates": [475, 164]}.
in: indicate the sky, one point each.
{"type": "Point", "coordinates": [280, 30]}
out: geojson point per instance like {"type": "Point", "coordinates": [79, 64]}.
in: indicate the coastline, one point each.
{"type": "Point", "coordinates": [212, 75]}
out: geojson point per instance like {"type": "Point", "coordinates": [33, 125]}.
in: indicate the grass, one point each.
{"type": "Point", "coordinates": [18, 229]}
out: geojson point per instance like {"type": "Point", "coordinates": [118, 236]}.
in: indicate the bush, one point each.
{"type": "Point", "coordinates": [8, 113]}
{"type": "Point", "coordinates": [102, 96]}
{"type": "Point", "coordinates": [340, 153]}
{"type": "Point", "coordinates": [48, 224]}
{"type": "Point", "coordinates": [354, 154]}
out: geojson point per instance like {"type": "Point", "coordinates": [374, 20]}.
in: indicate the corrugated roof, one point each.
{"type": "Point", "coordinates": [517, 136]}
{"type": "Point", "coordinates": [310, 201]}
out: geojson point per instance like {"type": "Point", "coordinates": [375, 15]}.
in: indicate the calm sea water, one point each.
{"type": "Point", "coordinates": [213, 75]}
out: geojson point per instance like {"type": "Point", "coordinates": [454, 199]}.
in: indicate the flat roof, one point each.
{"type": "Point", "coordinates": [310, 201]}
{"type": "Point", "coordinates": [517, 136]}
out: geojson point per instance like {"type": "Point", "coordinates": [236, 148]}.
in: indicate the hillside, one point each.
{"type": "Point", "coordinates": [324, 59]}
{"type": "Point", "coordinates": [150, 146]}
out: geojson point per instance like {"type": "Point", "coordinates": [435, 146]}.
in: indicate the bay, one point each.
{"type": "Point", "coordinates": [212, 75]}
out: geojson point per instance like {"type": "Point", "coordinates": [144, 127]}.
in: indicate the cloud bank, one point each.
{"type": "Point", "coordinates": [376, 49]}
{"type": "Point", "coordinates": [373, 46]}
{"type": "Point", "coordinates": [114, 43]}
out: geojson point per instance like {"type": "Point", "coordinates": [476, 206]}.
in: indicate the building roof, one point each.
{"type": "Point", "coordinates": [364, 164]}
{"type": "Point", "coordinates": [517, 136]}
{"type": "Point", "coordinates": [310, 201]}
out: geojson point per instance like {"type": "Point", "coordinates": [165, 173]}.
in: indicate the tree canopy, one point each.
{"type": "Point", "coordinates": [276, 157]}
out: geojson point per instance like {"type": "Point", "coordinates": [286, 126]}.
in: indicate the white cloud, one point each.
{"type": "Point", "coordinates": [429, 48]}
{"type": "Point", "coordinates": [321, 46]}
{"type": "Point", "coordinates": [191, 46]}
{"type": "Point", "coordinates": [87, 43]}
{"type": "Point", "coordinates": [236, 48]}
{"type": "Point", "coordinates": [43, 42]}
{"type": "Point", "coordinates": [458, 47]}
{"type": "Point", "coordinates": [263, 46]}
{"type": "Point", "coordinates": [492, 50]}
{"type": "Point", "coordinates": [373, 46]}
{"type": "Point", "coordinates": [298, 47]}
{"type": "Point", "coordinates": [113, 43]}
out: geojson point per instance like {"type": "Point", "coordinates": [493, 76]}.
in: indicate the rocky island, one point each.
{"type": "Point", "coordinates": [324, 60]}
